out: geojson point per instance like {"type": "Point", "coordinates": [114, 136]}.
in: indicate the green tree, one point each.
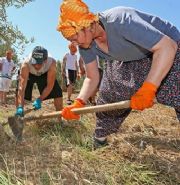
{"type": "Point", "coordinates": [10, 35]}
{"type": "Point", "coordinates": [59, 76]}
{"type": "Point", "coordinates": [58, 71]}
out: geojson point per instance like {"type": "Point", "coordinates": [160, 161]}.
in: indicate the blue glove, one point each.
{"type": "Point", "coordinates": [19, 111]}
{"type": "Point", "coordinates": [37, 104]}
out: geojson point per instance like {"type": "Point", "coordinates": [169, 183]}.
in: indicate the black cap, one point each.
{"type": "Point", "coordinates": [39, 55]}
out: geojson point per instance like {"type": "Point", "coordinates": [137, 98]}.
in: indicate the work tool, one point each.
{"type": "Point", "coordinates": [17, 123]}
{"type": "Point", "coordinates": [12, 120]}
{"type": "Point", "coordinates": [3, 135]}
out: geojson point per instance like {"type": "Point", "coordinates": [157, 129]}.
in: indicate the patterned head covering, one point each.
{"type": "Point", "coordinates": [74, 16]}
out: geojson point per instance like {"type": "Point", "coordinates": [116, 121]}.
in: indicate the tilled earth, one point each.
{"type": "Point", "coordinates": [150, 138]}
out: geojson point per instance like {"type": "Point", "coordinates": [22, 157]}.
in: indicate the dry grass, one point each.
{"type": "Point", "coordinates": [145, 151]}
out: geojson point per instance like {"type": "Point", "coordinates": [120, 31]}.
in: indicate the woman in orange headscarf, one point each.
{"type": "Point", "coordinates": [143, 60]}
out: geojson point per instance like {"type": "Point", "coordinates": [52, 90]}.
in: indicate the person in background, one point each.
{"type": "Point", "coordinates": [70, 71]}
{"type": "Point", "coordinates": [38, 68]}
{"type": "Point", "coordinates": [142, 54]}
{"type": "Point", "coordinates": [7, 66]}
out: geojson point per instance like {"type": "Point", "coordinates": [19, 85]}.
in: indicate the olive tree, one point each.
{"type": "Point", "coordinates": [10, 35]}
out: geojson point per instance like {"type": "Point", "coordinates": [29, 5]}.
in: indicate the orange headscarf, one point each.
{"type": "Point", "coordinates": [74, 16]}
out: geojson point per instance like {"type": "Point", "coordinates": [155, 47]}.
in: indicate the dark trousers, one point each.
{"type": "Point", "coordinates": [41, 82]}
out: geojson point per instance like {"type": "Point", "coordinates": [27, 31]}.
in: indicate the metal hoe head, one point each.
{"type": "Point", "coordinates": [3, 135]}
{"type": "Point", "coordinates": [17, 124]}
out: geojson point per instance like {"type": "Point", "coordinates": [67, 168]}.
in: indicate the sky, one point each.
{"type": "Point", "coordinates": [39, 19]}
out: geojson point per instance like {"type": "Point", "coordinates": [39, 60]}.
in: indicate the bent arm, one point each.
{"type": "Point", "coordinates": [51, 77]}
{"type": "Point", "coordinates": [91, 81]}
{"type": "Point", "coordinates": [163, 57]}
{"type": "Point", "coordinates": [24, 74]}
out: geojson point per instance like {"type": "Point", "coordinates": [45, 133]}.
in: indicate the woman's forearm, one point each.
{"type": "Point", "coordinates": [91, 81]}
{"type": "Point", "coordinates": [88, 88]}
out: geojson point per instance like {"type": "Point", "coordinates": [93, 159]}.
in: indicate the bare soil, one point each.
{"type": "Point", "coordinates": [52, 154]}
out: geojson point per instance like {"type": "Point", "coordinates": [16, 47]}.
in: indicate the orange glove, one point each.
{"type": "Point", "coordinates": [68, 114]}
{"type": "Point", "coordinates": [144, 97]}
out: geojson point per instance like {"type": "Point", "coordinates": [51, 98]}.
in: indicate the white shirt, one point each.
{"type": "Point", "coordinates": [7, 67]}
{"type": "Point", "coordinates": [71, 61]}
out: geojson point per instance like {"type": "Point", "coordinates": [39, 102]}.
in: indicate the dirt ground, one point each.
{"type": "Point", "coordinates": [150, 138]}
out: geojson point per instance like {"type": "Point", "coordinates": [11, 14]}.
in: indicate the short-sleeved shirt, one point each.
{"type": "Point", "coordinates": [71, 61]}
{"type": "Point", "coordinates": [130, 35]}
{"type": "Point", "coordinates": [7, 67]}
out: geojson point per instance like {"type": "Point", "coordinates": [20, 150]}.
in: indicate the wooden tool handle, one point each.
{"type": "Point", "coordinates": [29, 110]}
{"type": "Point", "coordinates": [84, 110]}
